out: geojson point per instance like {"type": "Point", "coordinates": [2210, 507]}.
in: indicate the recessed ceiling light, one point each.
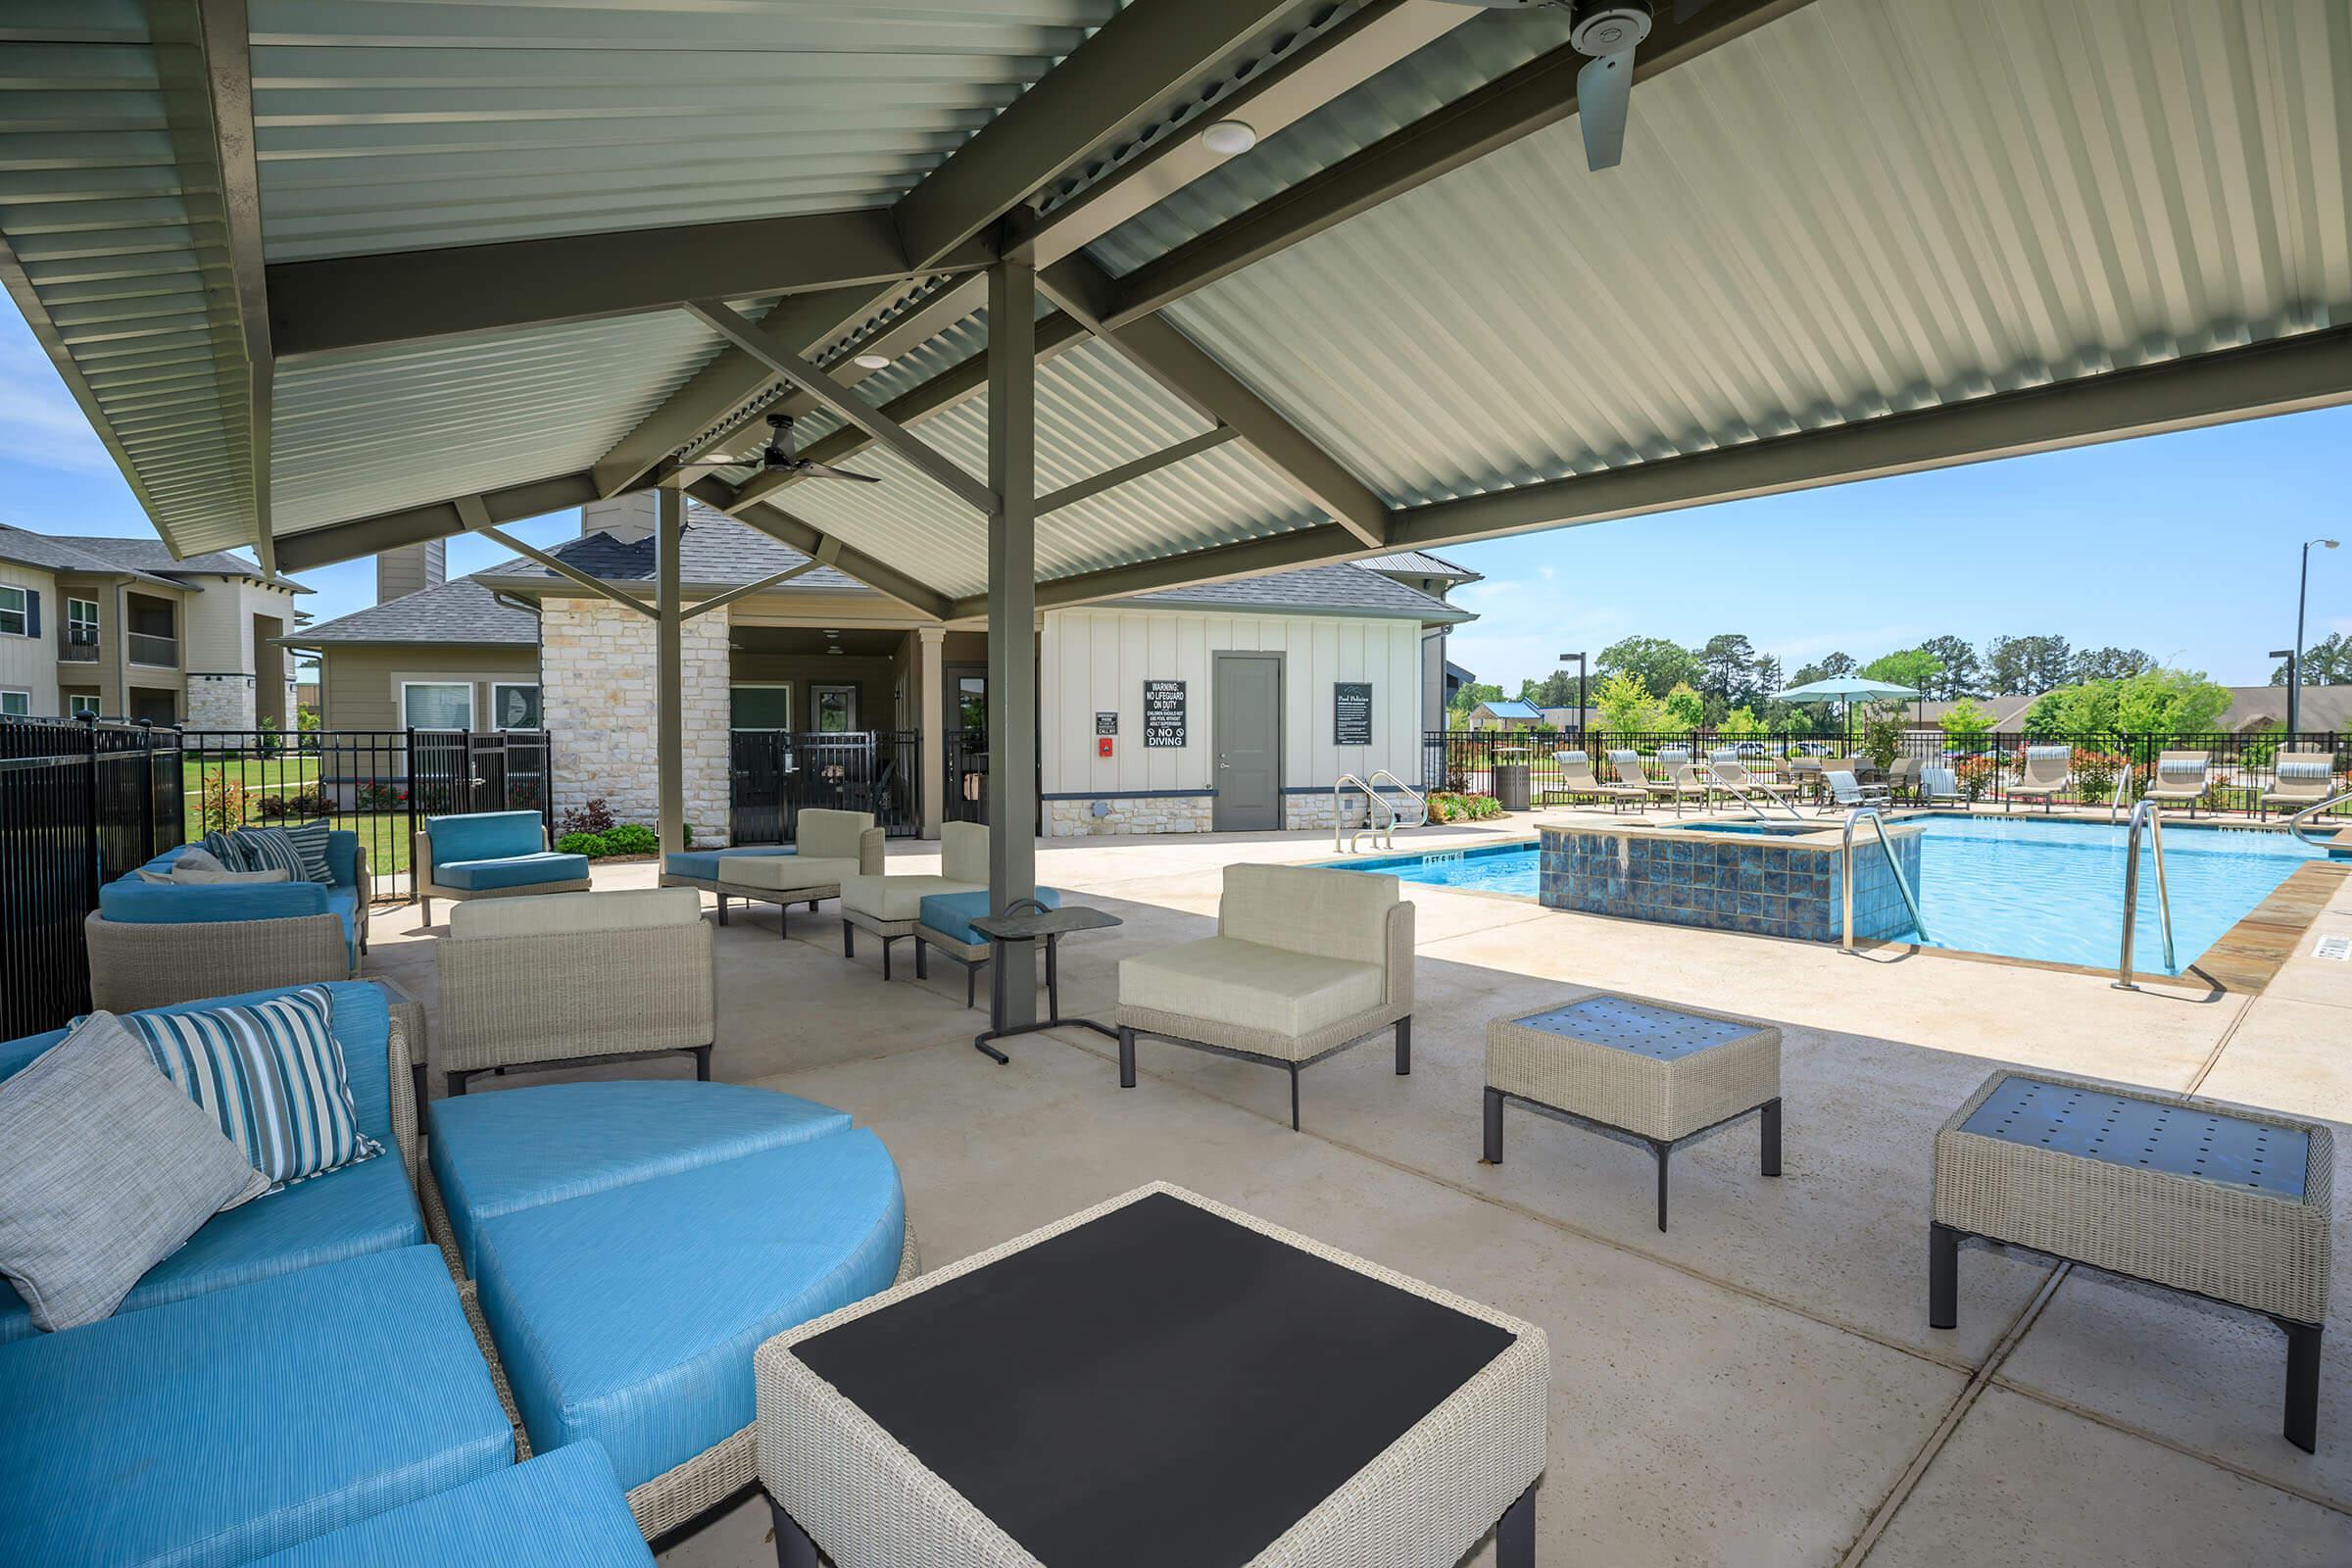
{"type": "Point", "coordinates": [1227, 137]}
{"type": "Point", "coordinates": [874, 362]}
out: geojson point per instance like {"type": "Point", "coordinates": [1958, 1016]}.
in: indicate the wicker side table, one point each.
{"type": "Point", "coordinates": [2219, 1201]}
{"type": "Point", "coordinates": [1638, 1071]}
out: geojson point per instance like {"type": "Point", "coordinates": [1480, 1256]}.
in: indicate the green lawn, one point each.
{"type": "Point", "coordinates": [265, 775]}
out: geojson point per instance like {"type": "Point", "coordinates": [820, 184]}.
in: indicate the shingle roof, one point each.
{"type": "Point", "coordinates": [1420, 563]}
{"type": "Point", "coordinates": [29, 549]}
{"type": "Point", "coordinates": [153, 556]}
{"type": "Point", "coordinates": [462, 611]}
{"type": "Point", "coordinates": [1343, 588]}
{"type": "Point", "coordinates": [716, 549]}
{"type": "Point", "coordinates": [1511, 707]}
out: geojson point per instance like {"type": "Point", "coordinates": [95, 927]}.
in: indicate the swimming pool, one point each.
{"type": "Point", "coordinates": [2021, 889]}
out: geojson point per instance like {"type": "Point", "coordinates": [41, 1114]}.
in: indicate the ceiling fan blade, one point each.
{"type": "Point", "coordinates": [1685, 10]}
{"type": "Point", "coordinates": [819, 470]}
{"type": "Point", "coordinates": [1604, 89]}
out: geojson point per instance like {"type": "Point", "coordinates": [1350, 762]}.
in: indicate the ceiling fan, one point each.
{"type": "Point", "coordinates": [1608, 30]}
{"type": "Point", "coordinates": [778, 459]}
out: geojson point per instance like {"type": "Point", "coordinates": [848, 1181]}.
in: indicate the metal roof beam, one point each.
{"type": "Point", "coordinates": [1304, 547]}
{"type": "Point", "coordinates": [1133, 64]}
{"type": "Point", "coordinates": [774, 580]}
{"type": "Point", "coordinates": [819, 546]}
{"type": "Point", "coordinates": [1069, 495]}
{"type": "Point", "coordinates": [560, 568]}
{"type": "Point", "coordinates": [228, 79]}
{"type": "Point", "coordinates": [840, 401]}
{"type": "Point", "coordinates": [1085, 291]}
{"type": "Point", "coordinates": [417, 526]}
{"type": "Point", "coordinates": [352, 302]}
{"type": "Point", "coordinates": [1539, 95]}
{"type": "Point", "coordinates": [1350, 53]}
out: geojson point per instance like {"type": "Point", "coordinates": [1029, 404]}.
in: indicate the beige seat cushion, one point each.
{"type": "Point", "coordinates": [776, 873]}
{"type": "Point", "coordinates": [568, 913]}
{"type": "Point", "coordinates": [896, 898]}
{"type": "Point", "coordinates": [1250, 986]}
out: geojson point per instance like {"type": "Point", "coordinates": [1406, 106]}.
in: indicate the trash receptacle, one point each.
{"type": "Point", "coordinates": [1510, 786]}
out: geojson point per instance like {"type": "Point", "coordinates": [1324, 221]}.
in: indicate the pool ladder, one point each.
{"type": "Point", "coordinates": [1384, 834]}
{"type": "Point", "coordinates": [1878, 820]}
{"type": "Point", "coordinates": [2294, 823]}
{"type": "Point", "coordinates": [2143, 815]}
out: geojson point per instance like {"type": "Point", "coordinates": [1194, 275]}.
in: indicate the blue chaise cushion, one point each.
{"type": "Point", "coordinates": [951, 914]}
{"type": "Point", "coordinates": [511, 872]}
{"type": "Point", "coordinates": [484, 836]}
{"type": "Point", "coordinates": [703, 864]}
{"type": "Point", "coordinates": [497, 1153]}
{"type": "Point", "coordinates": [558, 1510]}
{"type": "Point", "coordinates": [213, 1431]}
{"type": "Point", "coordinates": [629, 1317]}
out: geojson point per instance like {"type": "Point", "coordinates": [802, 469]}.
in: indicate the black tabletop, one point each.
{"type": "Point", "coordinates": [1159, 1387]}
{"type": "Point", "coordinates": [1043, 923]}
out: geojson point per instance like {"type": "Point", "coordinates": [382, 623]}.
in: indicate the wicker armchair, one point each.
{"type": "Point", "coordinates": [574, 977]}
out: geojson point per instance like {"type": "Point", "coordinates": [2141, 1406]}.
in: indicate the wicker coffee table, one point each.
{"type": "Point", "coordinates": [1158, 1382]}
{"type": "Point", "coordinates": [1637, 1070]}
{"type": "Point", "coordinates": [2224, 1202]}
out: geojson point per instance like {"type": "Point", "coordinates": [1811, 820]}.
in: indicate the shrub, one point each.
{"type": "Point", "coordinates": [593, 817]}
{"type": "Point", "coordinates": [1447, 805]}
{"type": "Point", "coordinates": [377, 796]}
{"type": "Point", "coordinates": [592, 845]}
{"type": "Point", "coordinates": [306, 803]}
{"type": "Point", "coordinates": [224, 801]}
{"type": "Point", "coordinates": [1964, 725]}
{"type": "Point", "coordinates": [1882, 739]}
{"type": "Point", "coordinates": [2095, 773]}
{"type": "Point", "coordinates": [632, 838]}
{"type": "Point", "coordinates": [1976, 774]}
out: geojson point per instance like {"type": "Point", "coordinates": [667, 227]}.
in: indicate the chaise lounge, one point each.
{"type": "Point", "coordinates": [2048, 771]}
{"type": "Point", "coordinates": [2179, 779]}
{"type": "Point", "coordinates": [490, 854]}
{"type": "Point", "coordinates": [2303, 778]}
{"type": "Point", "coordinates": [1306, 963]}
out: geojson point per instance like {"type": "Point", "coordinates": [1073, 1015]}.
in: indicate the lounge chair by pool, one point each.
{"type": "Point", "coordinates": [2304, 778]}
{"type": "Point", "coordinates": [2179, 779]}
{"type": "Point", "coordinates": [2048, 770]}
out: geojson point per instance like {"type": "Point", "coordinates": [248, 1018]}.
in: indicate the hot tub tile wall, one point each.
{"type": "Point", "coordinates": [1761, 886]}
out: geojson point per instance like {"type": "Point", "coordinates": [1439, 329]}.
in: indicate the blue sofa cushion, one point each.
{"type": "Point", "coordinates": [213, 1431]}
{"type": "Point", "coordinates": [513, 871]}
{"type": "Point", "coordinates": [367, 1208]}
{"type": "Point", "coordinates": [951, 914]}
{"type": "Point", "coordinates": [557, 1510]}
{"type": "Point", "coordinates": [363, 1028]}
{"type": "Point", "coordinates": [484, 836]}
{"type": "Point", "coordinates": [498, 1153]}
{"type": "Point", "coordinates": [629, 1317]}
{"type": "Point", "coordinates": [703, 864]}
{"type": "Point", "coordinates": [136, 902]}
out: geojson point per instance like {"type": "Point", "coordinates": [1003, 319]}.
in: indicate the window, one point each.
{"type": "Point", "coordinates": [514, 707]}
{"type": "Point", "coordinates": [16, 705]}
{"type": "Point", "coordinates": [75, 703]}
{"type": "Point", "coordinates": [81, 622]}
{"type": "Point", "coordinates": [16, 613]}
{"type": "Point", "coordinates": [836, 709]}
{"type": "Point", "coordinates": [430, 705]}
{"type": "Point", "coordinates": [760, 707]}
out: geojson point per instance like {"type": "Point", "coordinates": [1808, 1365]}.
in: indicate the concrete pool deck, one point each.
{"type": "Point", "coordinates": [1758, 1386]}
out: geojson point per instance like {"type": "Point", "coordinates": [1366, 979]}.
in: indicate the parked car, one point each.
{"type": "Point", "coordinates": [1752, 748]}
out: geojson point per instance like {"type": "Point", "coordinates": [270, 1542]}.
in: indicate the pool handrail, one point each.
{"type": "Point", "coordinates": [2294, 823]}
{"type": "Point", "coordinates": [1878, 820]}
{"type": "Point", "coordinates": [1395, 818]}
{"type": "Point", "coordinates": [2144, 814]}
{"type": "Point", "coordinates": [1384, 834]}
{"type": "Point", "coordinates": [2123, 787]}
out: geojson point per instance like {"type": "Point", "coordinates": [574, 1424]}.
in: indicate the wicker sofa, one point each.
{"type": "Point", "coordinates": [1306, 963]}
{"type": "Point", "coordinates": [575, 977]}
{"type": "Point", "coordinates": [490, 854]}
{"type": "Point", "coordinates": [153, 944]}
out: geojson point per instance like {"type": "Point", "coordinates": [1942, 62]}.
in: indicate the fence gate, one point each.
{"type": "Point", "coordinates": [776, 774]}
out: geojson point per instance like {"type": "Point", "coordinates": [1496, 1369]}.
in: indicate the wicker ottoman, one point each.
{"type": "Point", "coordinates": [1158, 1382]}
{"type": "Point", "coordinates": [2220, 1202]}
{"type": "Point", "coordinates": [1638, 1071]}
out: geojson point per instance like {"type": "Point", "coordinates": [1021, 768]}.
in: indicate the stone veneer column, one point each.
{"type": "Point", "coordinates": [221, 702]}
{"type": "Point", "coordinates": [596, 680]}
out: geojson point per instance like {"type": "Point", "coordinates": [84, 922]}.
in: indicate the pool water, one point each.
{"type": "Point", "coordinates": [2023, 889]}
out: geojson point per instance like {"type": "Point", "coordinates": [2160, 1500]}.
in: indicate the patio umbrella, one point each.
{"type": "Point", "coordinates": [1849, 690]}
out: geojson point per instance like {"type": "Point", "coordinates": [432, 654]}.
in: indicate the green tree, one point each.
{"type": "Point", "coordinates": [1963, 674]}
{"type": "Point", "coordinates": [2019, 665]}
{"type": "Point", "coordinates": [1828, 667]}
{"type": "Point", "coordinates": [2109, 664]}
{"type": "Point", "coordinates": [1470, 694]}
{"type": "Point", "coordinates": [1914, 667]}
{"type": "Point", "coordinates": [1626, 706]}
{"type": "Point", "coordinates": [1742, 724]}
{"type": "Point", "coordinates": [2074, 711]}
{"type": "Point", "coordinates": [1658, 665]}
{"type": "Point", "coordinates": [1555, 690]}
{"type": "Point", "coordinates": [2325, 663]}
{"type": "Point", "coordinates": [1728, 673]}
{"type": "Point", "coordinates": [1964, 725]}
{"type": "Point", "coordinates": [1685, 708]}
{"type": "Point", "coordinates": [2171, 702]}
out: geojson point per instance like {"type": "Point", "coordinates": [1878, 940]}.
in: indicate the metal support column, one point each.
{"type": "Point", "coordinates": [931, 749]}
{"type": "Point", "coordinates": [1012, 603]}
{"type": "Point", "coordinates": [668, 681]}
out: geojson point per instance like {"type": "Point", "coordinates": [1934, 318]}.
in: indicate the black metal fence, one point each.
{"type": "Point", "coordinates": [2242, 768]}
{"type": "Point", "coordinates": [381, 784]}
{"type": "Point", "coordinates": [776, 774]}
{"type": "Point", "coordinates": [80, 802]}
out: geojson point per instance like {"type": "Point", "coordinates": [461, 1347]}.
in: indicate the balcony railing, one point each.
{"type": "Point", "coordinates": [78, 645]}
{"type": "Point", "coordinates": [146, 648]}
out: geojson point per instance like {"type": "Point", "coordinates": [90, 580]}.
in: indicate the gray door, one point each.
{"type": "Point", "coordinates": [1249, 742]}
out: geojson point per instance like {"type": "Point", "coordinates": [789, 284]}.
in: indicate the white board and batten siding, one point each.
{"type": "Point", "coordinates": [1096, 660]}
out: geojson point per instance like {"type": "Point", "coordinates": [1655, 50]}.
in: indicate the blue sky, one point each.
{"type": "Point", "coordinates": [2184, 544]}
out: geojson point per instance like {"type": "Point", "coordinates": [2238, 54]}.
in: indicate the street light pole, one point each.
{"type": "Point", "coordinates": [1579, 693]}
{"type": "Point", "coordinates": [2294, 669]}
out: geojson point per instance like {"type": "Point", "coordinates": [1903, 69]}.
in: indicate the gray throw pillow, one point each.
{"type": "Point", "coordinates": [196, 858]}
{"type": "Point", "coordinates": [106, 1170]}
{"type": "Point", "coordinates": [190, 876]}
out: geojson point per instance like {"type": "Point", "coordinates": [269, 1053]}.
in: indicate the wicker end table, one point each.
{"type": "Point", "coordinates": [1638, 1071]}
{"type": "Point", "coordinates": [2224, 1202]}
{"type": "Point", "coordinates": [1158, 1382]}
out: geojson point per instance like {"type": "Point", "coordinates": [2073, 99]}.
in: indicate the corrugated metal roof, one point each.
{"type": "Point", "coordinates": [1861, 208]}
{"type": "Point", "coordinates": [114, 251]}
{"type": "Point", "coordinates": [385, 125]}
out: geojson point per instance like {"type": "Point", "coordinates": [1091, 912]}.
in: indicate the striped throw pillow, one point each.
{"type": "Point", "coordinates": [271, 1075]}
{"type": "Point", "coordinates": [267, 849]}
{"type": "Point", "coordinates": [309, 843]}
